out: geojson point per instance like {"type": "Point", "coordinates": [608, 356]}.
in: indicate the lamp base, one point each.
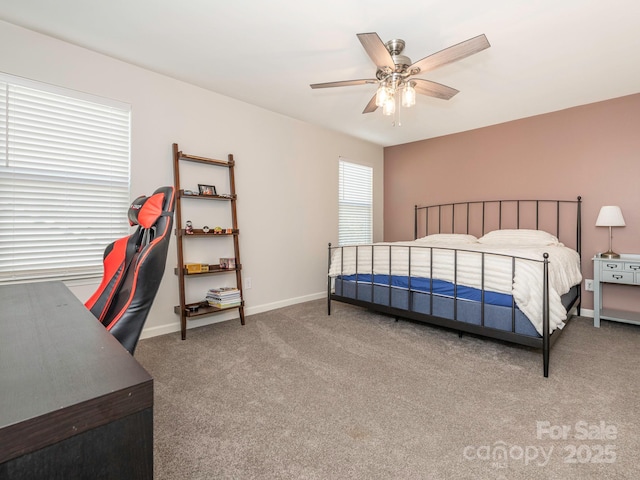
{"type": "Point", "coordinates": [609, 254]}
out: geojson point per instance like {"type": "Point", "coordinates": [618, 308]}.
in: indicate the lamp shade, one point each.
{"type": "Point", "coordinates": [610, 216]}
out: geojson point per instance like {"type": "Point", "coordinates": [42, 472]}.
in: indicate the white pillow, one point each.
{"type": "Point", "coordinates": [519, 236]}
{"type": "Point", "coordinates": [448, 238]}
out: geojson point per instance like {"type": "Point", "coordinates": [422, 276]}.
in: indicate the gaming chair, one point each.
{"type": "Point", "coordinates": [133, 268]}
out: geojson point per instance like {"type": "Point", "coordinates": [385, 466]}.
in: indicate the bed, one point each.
{"type": "Point", "coordinates": [501, 269]}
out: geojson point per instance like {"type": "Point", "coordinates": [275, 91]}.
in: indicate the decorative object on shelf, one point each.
{"type": "Point", "coordinates": [228, 263]}
{"type": "Point", "coordinates": [205, 229]}
{"type": "Point", "coordinates": [610, 216]}
{"type": "Point", "coordinates": [192, 268]}
{"type": "Point", "coordinates": [217, 230]}
{"type": "Point", "coordinates": [188, 228]}
{"type": "Point", "coordinates": [229, 231]}
{"type": "Point", "coordinates": [207, 189]}
{"type": "Point", "coordinates": [190, 193]}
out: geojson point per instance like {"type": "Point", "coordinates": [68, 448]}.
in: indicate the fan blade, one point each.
{"type": "Point", "coordinates": [344, 83]}
{"type": "Point", "coordinates": [371, 106]}
{"type": "Point", "coordinates": [450, 54]}
{"type": "Point", "coordinates": [376, 50]}
{"type": "Point", "coordinates": [433, 89]}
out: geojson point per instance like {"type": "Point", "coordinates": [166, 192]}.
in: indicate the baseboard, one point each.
{"type": "Point", "coordinates": [248, 311]}
{"type": "Point", "coordinates": [585, 312]}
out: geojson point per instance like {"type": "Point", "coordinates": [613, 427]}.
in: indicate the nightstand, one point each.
{"type": "Point", "coordinates": [624, 270]}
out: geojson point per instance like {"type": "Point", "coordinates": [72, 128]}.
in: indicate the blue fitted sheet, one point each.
{"type": "Point", "coordinates": [466, 306]}
{"type": "Point", "coordinates": [438, 287]}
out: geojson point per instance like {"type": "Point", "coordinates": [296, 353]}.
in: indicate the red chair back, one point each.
{"type": "Point", "coordinates": [133, 268]}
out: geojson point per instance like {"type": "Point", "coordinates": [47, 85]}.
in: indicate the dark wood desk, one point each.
{"type": "Point", "coordinates": [73, 402]}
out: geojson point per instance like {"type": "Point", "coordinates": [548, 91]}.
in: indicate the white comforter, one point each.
{"type": "Point", "coordinates": [524, 281]}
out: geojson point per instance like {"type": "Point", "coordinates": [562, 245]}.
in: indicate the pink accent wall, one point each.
{"type": "Point", "coordinates": [592, 151]}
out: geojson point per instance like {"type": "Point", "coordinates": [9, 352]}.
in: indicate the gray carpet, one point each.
{"type": "Point", "coordinates": [297, 394]}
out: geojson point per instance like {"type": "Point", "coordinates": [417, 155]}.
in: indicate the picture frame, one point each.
{"type": "Point", "coordinates": [207, 189]}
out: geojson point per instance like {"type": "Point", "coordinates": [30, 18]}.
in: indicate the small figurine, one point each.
{"type": "Point", "coordinates": [205, 229]}
{"type": "Point", "coordinates": [189, 228]}
{"type": "Point", "coordinates": [217, 230]}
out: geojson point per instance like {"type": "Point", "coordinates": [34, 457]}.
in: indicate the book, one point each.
{"type": "Point", "coordinates": [224, 297]}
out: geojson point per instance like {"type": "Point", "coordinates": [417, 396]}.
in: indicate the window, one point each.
{"type": "Point", "coordinates": [64, 180]}
{"type": "Point", "coordinates": [355, 203]}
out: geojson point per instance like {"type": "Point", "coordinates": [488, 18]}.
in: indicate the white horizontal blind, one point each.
{"type": "Point", "coordinates": [64, 181]}
{"type": "Point", "coordinates": [355, 203]}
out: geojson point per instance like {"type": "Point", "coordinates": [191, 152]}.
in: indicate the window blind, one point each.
{"type": "Point", "coordinates": [355, 203]}
{"type": "Point", "coordinates": [64, 180]}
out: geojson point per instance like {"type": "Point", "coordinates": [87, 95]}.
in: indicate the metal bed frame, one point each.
{"type": "Point", "coordinates": [479, 217]}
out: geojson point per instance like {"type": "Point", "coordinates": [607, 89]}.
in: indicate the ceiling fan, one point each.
{"type": "Point", "coordinates": [395, 72]}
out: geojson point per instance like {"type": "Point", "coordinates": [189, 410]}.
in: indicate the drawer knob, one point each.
{"type": "Point", "coordinates": [612, 265]}
{"type": "Point", "coordinates": [618, 277]}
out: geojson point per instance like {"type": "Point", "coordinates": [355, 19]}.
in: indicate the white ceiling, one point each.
{"type": "Point", "coordinates": [545, 55]}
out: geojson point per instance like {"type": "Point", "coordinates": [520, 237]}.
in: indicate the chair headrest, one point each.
{"type": "Point", "coordinates": [145, 211]}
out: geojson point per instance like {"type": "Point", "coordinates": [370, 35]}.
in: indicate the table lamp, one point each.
{"type": "Point", "coordinates": [610, 216]}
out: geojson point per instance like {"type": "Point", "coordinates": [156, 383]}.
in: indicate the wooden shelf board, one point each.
{"type": "Point", "coordinates": [210, 161]}
{"type": "Point", "coordinates": [197, 232]}
{"type": "Point", "coordinates": [620, 316]}
{"type": "Point", "coordinates": [204, 310]}
{"type": "Point", "coordinates": [208, 197]}
{"type": "Point", "coordinates": [213, 270]}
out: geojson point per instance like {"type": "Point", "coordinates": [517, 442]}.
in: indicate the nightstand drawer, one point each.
{"type": "Point", "coordinates": [633, 267]}
{"type": "Point", "coordinates": [613, 266]}
{"type": "Point", "coordinates": [618, 277]}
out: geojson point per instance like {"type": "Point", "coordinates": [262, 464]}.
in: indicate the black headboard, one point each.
{"type": "Point", "coordinates": [559, 217]}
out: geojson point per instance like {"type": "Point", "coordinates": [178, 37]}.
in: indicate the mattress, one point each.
{"type": "Point", "coordinates": [459, 303]}
{"type": "Point", "coordinates": [507, 262]}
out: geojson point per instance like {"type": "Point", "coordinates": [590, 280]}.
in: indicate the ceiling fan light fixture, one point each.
{"type": "Point", "coordinates": [382, 95]}
{"type": "Point", "coordinates": [408, 95]}
{"type": "Point", "coordinates": [389, 107]}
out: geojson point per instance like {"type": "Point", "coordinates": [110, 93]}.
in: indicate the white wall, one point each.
{"type": "Point", "coordinates": [286, 174]}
